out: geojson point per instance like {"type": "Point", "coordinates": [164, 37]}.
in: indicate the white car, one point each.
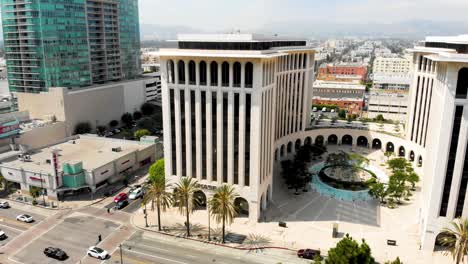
{"type": "Point", "coordinates": [136, 193]}
{"type": "Point", "coordinates": [25, 218]}
{"type": "Point", "coordinates": [4, 204]}
{"type": "Point", "coordinates": [98, 253]}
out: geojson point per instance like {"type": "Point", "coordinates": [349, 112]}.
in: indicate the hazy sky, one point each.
{"type": "Point", "coordinates": [252, 14]}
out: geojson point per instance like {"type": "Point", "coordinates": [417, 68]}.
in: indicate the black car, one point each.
{"type": "Point", "coordinates": [55, 253]}
{"type": "Point", "coordinates": [121, 204]}
{"type": "Point", "coordinates": [308, 253]}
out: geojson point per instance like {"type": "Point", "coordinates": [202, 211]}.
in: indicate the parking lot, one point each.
{"type": "Point", "coordinates": [75, 234]}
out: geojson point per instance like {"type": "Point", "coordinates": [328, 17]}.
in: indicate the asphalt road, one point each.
{"type": "Point", "coordinates": [141, 249]}
{"type": "Point", "coordinates": [11, 226]}
{"type": "Point", "coordinates": [132, 207]}
{"type": "Point", "coordinates": [75, 234]}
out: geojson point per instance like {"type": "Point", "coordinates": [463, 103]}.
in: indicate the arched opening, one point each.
{"type": "Point", "coordinates": [444, 241]}
{"type": "Point", "coordinates": [462, 83]}
{"type": "Point", "coordinates": [390, 147]}
{"type": "Point", "coordinates": [214, 73]}
{"type": "Point", "coordinates": [308, 141]}
{"type": "Point", "coordinates": [225, 74]}
{"type": "Point", "coordinates": [181, 71]}
{"type": "Point", "coordinates": [319, 140]}
{"type": "Point", "coordinates": [401, 151]}
{"type": "Point", "coordinates": [262, 201]}
{"type": "Point", "coordinates": [332, 139]}
{"type": "Point", "coordinates": [202, 73]}
{"type": "Point", "coordinates": [237, 74]}
{"type": "Point", "coordinates": [376, 143]}
{"type": "Point", "coordinates": [248, 75]}
{"type": "Point", "coordinates": [420, 160]}
{"type": "Point", "coordinates": [297, 145]}
{"type": "Point", "coordinates": [362, 142]}
{"type": "Point", "coordinates": [282, 151]}
{"type": "Point", "coordinates": [191, 70]}
{"type": "Point", "coordinates": [347, 140]}
{"type": "Point", "coordinates": [411, 155]}
{"type": "Point", "coordinates": [200, 200]}
{"type": "Point", "coordinates": [276, 154]}
{"type": "Point", "coordinates": [268, 193]}
{"type": "Point", "coordinates": [289, 147]}
{"type": "Point", "coordinates": [170, 71]}
{"type": "Point", "coordinates": [242, 206]}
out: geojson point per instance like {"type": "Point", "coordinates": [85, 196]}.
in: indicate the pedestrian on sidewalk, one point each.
{"type": "Point", "coordinates": [108, 210]}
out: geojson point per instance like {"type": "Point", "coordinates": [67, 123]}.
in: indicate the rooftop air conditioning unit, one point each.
{"type": "Point", "coordinates": [117, 149]}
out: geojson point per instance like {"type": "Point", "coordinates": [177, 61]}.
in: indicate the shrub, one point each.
{"type": "Point", "coordinates": [113, 123]}
{"type": "Point", "coordinates": [148, 109]}
{"type": "Point", "coordinates": [137, 115]}
{"type": "Point", "coordinates": [127, 119]}
{"type": "Point", "coordinates": [141, 132]}
{"type": "Point", "coordinates": [83, 128]}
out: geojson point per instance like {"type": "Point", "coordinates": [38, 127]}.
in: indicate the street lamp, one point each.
{"type": "Point", "coordinates": [209, 229]}
{"type": "Point", "coordinates": [42, 188]}
{"type": "Point", "coordinates": [121, 258]}
{"type": "Point", "coordinates": [146, 216]}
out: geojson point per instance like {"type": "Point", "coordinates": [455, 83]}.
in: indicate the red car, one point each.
{"type": "Point", "coordinates": [120, 197]}
{"type": "Point", "coordinates": [308, 253]}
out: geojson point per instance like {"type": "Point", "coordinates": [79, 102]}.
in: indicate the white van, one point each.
{"type": "Point", "coordinates": [324, 109]}
{"type": "Point", "coordinates": [314, 109]}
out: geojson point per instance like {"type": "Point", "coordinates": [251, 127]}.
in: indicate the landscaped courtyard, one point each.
{"type": "Point", "coordinates": [310, 217]}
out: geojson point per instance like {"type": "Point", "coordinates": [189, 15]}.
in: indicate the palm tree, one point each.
{"type": "Point", "coordinates": [157, 194]}
{"type": "Point", "coordinates": [222, 206]}
{"type": "Point", "coordinates": [183, 198]}
{"type": "Point", "coordinates": [455, 239]}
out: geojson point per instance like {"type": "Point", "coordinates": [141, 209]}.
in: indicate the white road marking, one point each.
{"type": "Point", "coordinates": [158, 257]}
{"type": "Point", "coordinates": [13, 228]}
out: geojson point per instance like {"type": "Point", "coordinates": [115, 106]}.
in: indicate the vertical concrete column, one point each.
{"type": "Point", "coordinates": [198, 133]}
{"type": "Point", "coordinates": [230, 145]}
{"type": "Point", "coordinates": [197, 72]}
{"type": "Point", "coordinates": [178, 131]}
{"type": "Point", "coordinates": [188, 124]}
{"type": "Point", "coordinates": [208, 73]}
{"type": "Point", "coordinates": [166, 121]}
{"type": "Point", "coordinates": [231, 74]}
{"type": "Point", "coordinates": [210, 142]}
{"type": "Point", "coordinates": [242, 84]}
{"type": "Point", "coordinates": [219, 133]}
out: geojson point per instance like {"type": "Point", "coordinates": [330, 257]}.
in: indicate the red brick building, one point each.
{"type": "Point", "coordinates": [343, 70]}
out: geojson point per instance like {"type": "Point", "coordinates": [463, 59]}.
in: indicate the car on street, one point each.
{"type": "Point", "coordinates": [4, 204]}
{"type": "Point", "coordinates": [55, 253]}
{"type": "Point", "coordinates": [98, 253]}
{"type": "Point", "coordinates": [136, 193]}
{"type": "Point", "coordinates": [3, 236]}
{"type": "Point", "coordinates": [121, 204]}
{"type": "Point", "coordinates": [308, 253]}
{"type": "Point", "coordinates": [120, 197]}
{"type": "Point", "coordinates": [25, 218]}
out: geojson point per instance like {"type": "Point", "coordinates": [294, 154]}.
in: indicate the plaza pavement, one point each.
{"type": "Point", "coordinates": [310, 217]}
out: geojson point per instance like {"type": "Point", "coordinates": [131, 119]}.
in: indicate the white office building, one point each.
{"type": "Point", "coordinates": [438, 122]}
{"type": "Point", "coordinates": [226, 99]}
{"type": "Point", "coordinates": [391, 106]}
{"type": "Point", "coordinates": [392, 65]}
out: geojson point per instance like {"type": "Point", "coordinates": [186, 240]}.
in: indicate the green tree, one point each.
{"type": "Point", "coordinates": [317, 259]}
{"type": "Point", "coordinates": [148, 109]}
{"type": "Point", "coordinates": [34, 191]}
{"type": "Point", "coordinates": [222, 206]}
{"type": "Point", "coordinates": [83, 128]}
{"type": "Point", "coordinates": [127, 119]}
{"type": "Point", "coordinates": [183, 198]}
{"type": "Point", "coordinates": [137, 115]}
{"type": "Point", "coordinates": [388, 154]}
{"type": "Point", "coordinates": [342, 114]}
{"type": "Point", "coordinates": [348, 251]}
{"type": "Point", "coordinates": [378, 191]}
{"type": "Point", "coordinates": [101, 129]}
{"type": "Point", "coordinates": [157, 190]}
{"type": "Point", "coordinates": [396, 261]}
{"type": "Point", "coordinates": [455, 239]}
{"type": "Point", "coordinates": [379, 118]}
{"type": "Point", "coordinates": [396, 185]}
{"type": "Point", "coordinates": [113, 123]}
{"type": "Point", "coordinates": [141, 133]}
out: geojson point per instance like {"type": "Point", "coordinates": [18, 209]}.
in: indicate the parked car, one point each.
{"type": "Point", "coordinates": [121, 204]}
{"type": "Point", "coordinates": [308, 253]}
{"type": "Point", "coordinates": [25, 218]}
{"type": "Point", "coordinates": [324, 109]}
{"type": "Point", "coordinates": [55, 253]}
{"type": "Point", "coordinates": [136, 193]}
{"type": "Point", "coordinates": [4, 204]}
{"type": "Point", "coordinates": [3, 236]}
{"type": "Point", "coordinates": [120, 197]}
{"type": "Point", "coordinates": [98, 253]}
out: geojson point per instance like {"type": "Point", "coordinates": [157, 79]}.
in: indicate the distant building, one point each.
{"type": "Point", "coordinates": [392, 65]}
{"type": "Point", "coordinates": [348, 96]}
{"type": "Point", "coordinates": [390, 106]}
{"type": "Point", "coordinates": [65, 43]}
{"type": "Point", "coordinates": [344, 69]}
{"type": "Point", "coordinates": [392, 82]}
{"type": "Point", "coordinates": [153, 87]}
{"type": "Point", "coordinates": [81, 162]}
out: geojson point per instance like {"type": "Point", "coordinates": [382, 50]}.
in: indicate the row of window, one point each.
{"type": "Point", "coordinates": [211, 74]}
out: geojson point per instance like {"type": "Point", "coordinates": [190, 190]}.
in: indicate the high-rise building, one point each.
{"type": "Point", "coordinates": [69, 43]}
{"type": "Point", "coordinates": [438, 119]}
{"type": "Point", "coordinates": [226, 100]}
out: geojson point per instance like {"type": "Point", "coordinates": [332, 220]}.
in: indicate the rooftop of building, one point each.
{"type": "Point", "coordinates": [460, 39]}
{"type": "Point", "coordinates": [93, 151]}
{"type": "Point", "coordinates": [339, 85]}
{"type": "Point", "coordinates": [232, 37]}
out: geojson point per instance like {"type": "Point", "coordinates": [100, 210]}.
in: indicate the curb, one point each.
{"type": "Point", "coordinates": [39, 206]}
{"type": "Point", "coordinates": [207, 242]}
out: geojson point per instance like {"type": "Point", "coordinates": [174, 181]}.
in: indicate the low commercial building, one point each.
{"type": "Point", "coordinates": [343, 69]}
{"type": "Point", "coordinates": [346, 95]}
{"type": "Point", "coordinates": [392, 82]}
{"type": "Point", "coordinates": [80, 162]}
{"type": "Point", "coordinates": [390, 106]}
{"type": "Point", "coordinates": [97, 105]}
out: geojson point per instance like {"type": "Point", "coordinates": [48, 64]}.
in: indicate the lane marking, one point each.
{"type": "Point", "coordinates": [13, 228]}
{"type": "Point", "coordinates": [157, 257]}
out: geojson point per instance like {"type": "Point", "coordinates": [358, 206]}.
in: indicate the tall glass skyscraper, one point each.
{"type": "Point", "coordinates": [70, 43]}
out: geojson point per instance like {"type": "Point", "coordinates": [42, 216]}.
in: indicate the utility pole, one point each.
{"type": "Point", "coordinates": [146, 217]}
{"type": "Point", "coordinates": [42, 188]}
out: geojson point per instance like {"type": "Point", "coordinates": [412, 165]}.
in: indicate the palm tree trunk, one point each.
{"type": "Point", "coordinates": [187, 214]}
{"type": "Point", "coordinates": [224, 226]}
{"type": "Point", "coordinates": [159, 214]}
